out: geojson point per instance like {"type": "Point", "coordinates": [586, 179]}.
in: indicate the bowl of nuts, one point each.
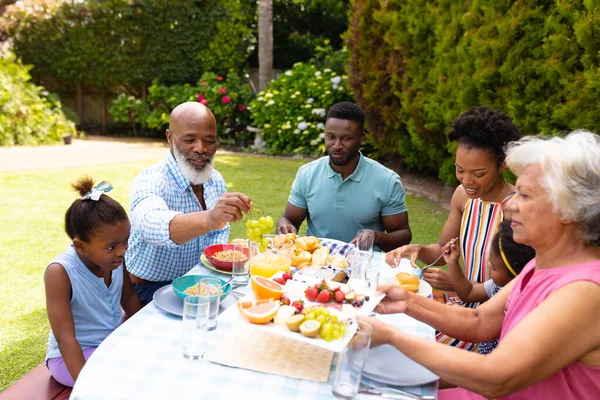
{"type": "Point", "coordinates": [222, 256]}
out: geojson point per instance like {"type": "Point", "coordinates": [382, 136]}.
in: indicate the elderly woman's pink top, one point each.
{"type": "Point", "coordinates": [577, 380]}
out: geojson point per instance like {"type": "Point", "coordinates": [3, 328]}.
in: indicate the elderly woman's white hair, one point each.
{"type": "Point", "coordinates": [571, 175]}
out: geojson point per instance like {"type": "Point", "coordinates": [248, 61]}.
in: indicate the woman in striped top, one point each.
{"type": "Point", "coordinates": [476, 206]}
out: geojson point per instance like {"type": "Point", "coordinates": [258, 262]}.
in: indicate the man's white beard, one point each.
{"type": "Point", "coordinates": [195, 175]}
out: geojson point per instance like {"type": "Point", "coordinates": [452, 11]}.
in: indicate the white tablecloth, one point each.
{"type": "Point", "coordinates": [142, 359]}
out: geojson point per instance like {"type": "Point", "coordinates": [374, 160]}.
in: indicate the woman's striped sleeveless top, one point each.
{"type": "Point", "coordinates": [479, 224]}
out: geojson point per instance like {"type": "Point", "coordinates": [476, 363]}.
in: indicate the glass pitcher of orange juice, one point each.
{"type": "Point", "coordinates": [272, 260]}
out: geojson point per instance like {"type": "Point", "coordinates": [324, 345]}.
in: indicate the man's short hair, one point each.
{"type": "Point", "coordinates": [348, 111]}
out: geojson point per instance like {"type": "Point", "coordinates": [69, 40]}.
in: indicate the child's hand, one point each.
{"type": "Point", "coordinates": [451, 252]}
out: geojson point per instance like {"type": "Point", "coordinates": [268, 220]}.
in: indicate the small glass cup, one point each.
{"type": "Point", "coordinates": [195, 325]}
{"type": "Point", "coordinates": [240, 269]}
{"type": "Point", "coordinates": [350, 363]}
{"type": "Point", "coordinates": [213, 285]}
{"type": "Point", "coordinates": [373, 279]}
{"type": "Point", "coordinates": [365, 238]}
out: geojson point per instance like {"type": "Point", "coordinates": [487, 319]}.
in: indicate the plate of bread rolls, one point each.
{"type": "Point", "coordinates": [403, 277]}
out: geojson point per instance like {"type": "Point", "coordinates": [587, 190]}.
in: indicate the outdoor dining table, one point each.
{"type": "Point", "coordinates": [142, 359]}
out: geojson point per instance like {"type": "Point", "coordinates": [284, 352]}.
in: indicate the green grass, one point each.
{"type": "Point", "coordinates": [33, 204]}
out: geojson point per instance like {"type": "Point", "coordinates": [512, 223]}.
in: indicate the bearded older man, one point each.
{"type": "Point", "coordinates": [179, 206]}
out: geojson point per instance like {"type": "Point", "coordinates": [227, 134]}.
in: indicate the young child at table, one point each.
{"type": "Point", "coordinates": [87, 285]}
{"type": "Point", "coordinates": [507, 259]}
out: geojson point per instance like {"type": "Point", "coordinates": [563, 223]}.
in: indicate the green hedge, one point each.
{"type": "Point", "coordinates": [28, 114]}
{"type": "Point", "coordinates": [416, 65]}
{"type": "Point", "coordinates": [113, 43]}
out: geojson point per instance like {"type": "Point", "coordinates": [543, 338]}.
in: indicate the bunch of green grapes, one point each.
{"type": "Point", "coordinates": [257, 228]}
{"type": "Point", "coordinates": [331, 328]}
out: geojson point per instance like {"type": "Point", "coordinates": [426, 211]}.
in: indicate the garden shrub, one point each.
{"type": "Point", "coordinates": [28, 114]}
{"type": "Point", "coordinates": [416, 65]}
{"type": "Point", "coordinates": [227, 97]}
{"type": "Point", "coordinates": [292, 110]}
{"type": "Point", "coordinates": [132, 42]}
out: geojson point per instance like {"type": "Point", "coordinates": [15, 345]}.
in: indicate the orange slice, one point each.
{"type": "Point", "coordinates": [264, 288]}
{"type": "Point", "coordinates": [258, 312]}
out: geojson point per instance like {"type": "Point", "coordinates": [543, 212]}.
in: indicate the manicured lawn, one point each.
{"type": "Point", "coordinates": [33, 204]}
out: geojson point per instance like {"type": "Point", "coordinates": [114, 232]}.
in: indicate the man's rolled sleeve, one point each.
{"type": "Point", "coordinates": [396, 199]}
{"type": "Point", "coordinates": [151, 215]}
{"type": "Point", "coordinates": [297, 197]}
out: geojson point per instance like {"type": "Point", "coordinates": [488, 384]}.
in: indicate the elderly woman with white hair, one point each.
{"type": "Point", "coordinates": [547, 318]}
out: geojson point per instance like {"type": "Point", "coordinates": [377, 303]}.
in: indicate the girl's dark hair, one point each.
{"type": "Point", "coordinates": [518, 255]}
{"type": "Point", "coordinates": [84, 217]}
{"type": "Point", "coordinates": [485, 129]}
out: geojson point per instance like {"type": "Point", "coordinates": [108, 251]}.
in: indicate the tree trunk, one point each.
{"type": "Point", "coordinates": [7, 2]}
{"type": "Point", "coordinates": [265, 43]}
{"type": "Point", "coordinates": [104, 118]}
{"type": "Point", "coordinates": [79, 102]}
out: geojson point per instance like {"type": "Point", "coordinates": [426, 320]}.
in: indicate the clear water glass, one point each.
{"type": "Point", "coordinates": [195, 325]}
{"type": "Point", "coordinates": [240, 269]}
{"type": "Point", "coordinates": [350, 363]}
{"type": "Point", "coordinates": [365, 238]}
{"type": "Point", "coordinates": [213, 301]}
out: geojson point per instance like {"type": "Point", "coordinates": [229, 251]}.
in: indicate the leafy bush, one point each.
{"type": "Point", "coordinates": [417, 65]}
{"type": "Point", "coordinates": [227, 97]}
{"type": "Point", "coordinates": [28, 114]}
{"type": "Point", "coordinates": [132, 42]}
{"type": "Point", "coordinates": [292, 110]}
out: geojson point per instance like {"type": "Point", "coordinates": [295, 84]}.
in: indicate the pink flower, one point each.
{"type": "Point", "coordinates": [220, 78]}
{"type": "Point", "coordinates": [200, 97]}
{"type": "Point", "coordinates": [203, 83]}
{"type": "Point", "coordinates": [204, 101]}
{"type": "Point", "coordinates": [223, 90]}
{"type": "Point", "coordinates": [242, 107]}
{"type": "Point", "coordinates": [225, 99]}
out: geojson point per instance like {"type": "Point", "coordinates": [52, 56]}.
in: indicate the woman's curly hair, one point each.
{"type": "Point", "coordinates": [486, 129]}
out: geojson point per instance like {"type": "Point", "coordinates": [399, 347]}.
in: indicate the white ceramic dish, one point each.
{"type": "Point", "coordinates": [166, 299]}
{"type": "Point", "coordinates": [388, 277]}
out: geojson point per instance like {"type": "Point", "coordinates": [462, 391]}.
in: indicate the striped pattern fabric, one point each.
{"type": "Point", "coordinates": [480, 221]}
{"type": "Point", "coordinates": [158, 194]}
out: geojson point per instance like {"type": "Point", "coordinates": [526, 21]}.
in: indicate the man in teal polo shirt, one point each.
{"type": "Point", "coordinates": [346, 191]}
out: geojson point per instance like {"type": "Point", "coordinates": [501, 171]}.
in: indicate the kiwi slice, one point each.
{"type": "Point", "coordinates": [310, 328]}
{"type": "Point", "coordinates": [293, 322]}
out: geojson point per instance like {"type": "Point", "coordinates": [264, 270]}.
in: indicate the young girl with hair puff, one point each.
{"type": "Point", "coordinates": [506, 260]}
{"type": "Point", "coordinates": [87, 285]}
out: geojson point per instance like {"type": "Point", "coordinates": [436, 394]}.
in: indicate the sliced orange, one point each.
{"type": "Point", "coordinates": [259, 312]}
{"type": "Point", "coordinates": [264, 288]}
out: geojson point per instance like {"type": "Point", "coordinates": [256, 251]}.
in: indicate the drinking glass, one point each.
{"type": "Point", "coordinates": [360, 262]}
{"type": "Point", "coordinates": [350, 363]}
{"type": "Point", "coordinates": [364, 240]}
{"type": "Point", "coordinates": [195, 325]}
{"type": "Point", "coordinates": [211, 292]}
{"type": "Point", "coordinates": [240, 269]}
{"type": "Point", "coordinates": [373, 279]}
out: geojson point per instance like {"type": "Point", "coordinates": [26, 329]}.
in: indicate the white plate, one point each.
{"type": "Point", "coordinates": [387, 365]}
{"type": "Point", "coordinates": [388, 277]}
{"type": "Point", "coordinates": [166, 299]}
{"type": "Point", "coordinates": [232, 314]}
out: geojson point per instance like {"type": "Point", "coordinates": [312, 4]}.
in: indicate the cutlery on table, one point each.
{"type": "Point", "coordinates": [393, 393]}
{"type": "Point", "coordinates": [420, 272]}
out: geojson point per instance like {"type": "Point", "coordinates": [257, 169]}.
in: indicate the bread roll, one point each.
{"type": "Point", "coordinates": [408, 281]}
{"type": "Point", "coordinates": [281, 240]}
{"type": "Point", "coordinates": [338, 261]}
{"type": "Point", "coordinates": [320, 256]}
{"type": "Point", "coordinates": [302, 259]}
{"type": "Point", "coordinates": [308, 243]}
